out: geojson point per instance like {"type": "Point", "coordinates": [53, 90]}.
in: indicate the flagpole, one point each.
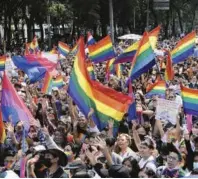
{"type": "Point", "coordinates": [111, 19]}
{"type": "Point", "coordinates": [49, 29]}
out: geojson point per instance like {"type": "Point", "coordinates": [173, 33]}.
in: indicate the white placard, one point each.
{"type": "Point", "coordinates": [167, 110]}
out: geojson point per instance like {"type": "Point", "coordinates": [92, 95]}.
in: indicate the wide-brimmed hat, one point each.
{"type": "Point", "coordinates": [51, 147]}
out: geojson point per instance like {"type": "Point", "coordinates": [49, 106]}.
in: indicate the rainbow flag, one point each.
{"type": "Point", "coordinates": [90, 39]}
{"type": "Point", "coordinates": [34, 47]}
{"type": "Point", "coordinates": [54, 50]}
{"type": "Point", "coordinates": [144, 58]}
{"type": "Point", "coordinates": [110, 68]}
{"type": "Point", "coordinates": [2, 63]}
{"type": "Point", "coordinates": [90, 70]}
{"type": "Point", "coordinates": [118, 68]}
{"type": "Point", "coordinates": [50, 82]}
{"type": "Point", "coordinates": [102, 51]}
{"type": "Point", "coordinates": [158, 88]}
{"type": "Point", "coordinates": [58, 82]}
{"type": "Point", "coordinates": [63, 48]}
{"type": "Point", "coordinates": [190, 100]}
{"type": "Point", "coordinates": [107, 103]}
{"type": "Point", "coordinates": [2, 130]}
{"type": "Point", "coordinates": [169, 73]}
{"type": "Point", "coordinates": [153, 37]}
{"type": "Point", "coordinates": [128, 54]}
{"type": "Point", "coordinates": [184, 48]}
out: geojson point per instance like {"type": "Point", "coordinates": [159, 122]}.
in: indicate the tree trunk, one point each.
{"type": "Point", "coordinates": [63, 28]}
{"type": "Point", "coordinates": [167, 24]}
{"type": "Point", "coordinates": [42, 33]}
{"type": "Point", "coordinates": [180, 21]}
{"type": "Point", "coordinates": [9, 31]}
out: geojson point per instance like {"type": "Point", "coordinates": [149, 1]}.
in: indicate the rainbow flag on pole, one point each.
{"type": "Point", "coordinates": [107, 103]}
{"type": "Point", "coordinates": [158, 88]}
{"type": "Point", "coordinates": [169, 72]}
{"type": "Point", "coordinates": [50, 82]}
{"type": "Point", "coordinates": [128, 54]}
{"type": "Point", "coordinates": [184, 48]}
{"type": "Point", "coordinates": [102, 51]}
{"type": "Point", "coordinates": [2, 63]}
{"type": "Point", "coordinates": [153, 37]}
{"type": "Point", "coordinates": [190, 100]}
{"type": "Point", "coordinates": [63, 48]}
{"type": "Point", "coordinates": [144, 58]}
{"type": "Point", "coordinates": [34, 46]}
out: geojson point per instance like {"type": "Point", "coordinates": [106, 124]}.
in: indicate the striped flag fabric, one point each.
{"type": "Point", "coordinates": [101, 51]}
{"type": "Point", "coordinates": [2, 63]}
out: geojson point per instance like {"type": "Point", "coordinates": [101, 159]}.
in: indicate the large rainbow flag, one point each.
{"type": "Point", "coordinates": [153, 37]}
{"type": "Point", "coordinates": [128, 54]}
{"type": "Point", "coordinates": [63, 48]}
{"type": "Point", "coordinates": [158, 88]}
{"type": "Point", "coordinates": [102, 51]}
{"type": "Point", "coordinates": [107, 103]}
{"type": "Point", "coordinates": [190, 100]}
{"type": "Point", "coordinates": [2, 63]}
{"type": "Point", "coordinates": [169, 72]}
{"type": "Point", "coordinates": [184, 48]}
{"type": "Point", "coordinates": [144, 58]}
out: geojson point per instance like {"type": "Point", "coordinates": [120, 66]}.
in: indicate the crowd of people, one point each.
{"type": "Point", "coordinates": [63, 143]}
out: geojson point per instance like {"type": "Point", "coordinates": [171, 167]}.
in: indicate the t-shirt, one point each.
{"type": "Point", "coordinates": [148, 163]}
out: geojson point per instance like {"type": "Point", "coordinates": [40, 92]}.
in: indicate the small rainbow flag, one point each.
{"type": "Point", "coordinates": [169, 73]}
{"type": "Point", "coordinates": [2, 130]}
{"type": "Point", "coordinates": [158, 88]}
{"type": "Point", "coordinates": [90, 39]}
{"type": "Point", "coordinates": [54, 50]}
{"type": "Point", "coordinates": [90, 70]}
{"type": "Point", "coordinates": [34, 47]}
{"type": "Point", "coordinates": [58, 81]}
{"type": "Point", "coordinates": [118, 68]}
{"type": "Point", "coordinates": [102, 51]}
{"type": "Point", "coordinates": [144, 58]}
{"type": "Point", "coordinates": [2, 63]}
{"type": "Point", "coordinates": [190, 100]}
{"type": "Point", "coordinates": [50, 82]}
{"type": "Point", "coordinates": [153, 37]}
{"type": "Point", "coordinates": [128, 54]}
{"type": "Point", "coordinates": [110, 68]}
{"type": "Point", "coordinates": [63, 48]}
{"type": "Point", "coordinates": [47, 84]}
{"type": "Point", "coordinates": [184, 48]}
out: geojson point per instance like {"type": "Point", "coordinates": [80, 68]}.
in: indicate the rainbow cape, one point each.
{"type": "Point", "coordinates": [2, 63]}
{"type": "Point", "coordinates": [153, 37]}
{"type": "Point", "coordinates": [144, 58]}
{"type": "Point", "coordinates": [107, 103]}
{"type": "Point", "coordinates": [2, 130]}
{"type": "Point", "coordinates": [184, 48]}
{"type": "Point", "coordinates": [169, 72]}
{"type": "Point", "coordinates": [102, 51]}
{"type": "Point", "coordinates": [158, 88]}
{"type": "Point", "coordinates": [190, 100]}
{"type": "Point", "coordinates": [128, 54]}
{"type": "Point", "coordinates": [63, 48]}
